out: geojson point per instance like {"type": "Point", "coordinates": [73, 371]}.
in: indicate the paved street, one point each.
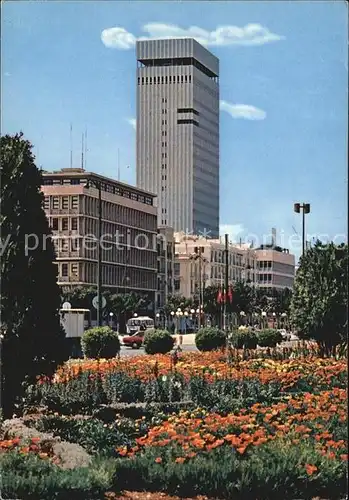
{"type": "Point", "coordinates": [128, 351]}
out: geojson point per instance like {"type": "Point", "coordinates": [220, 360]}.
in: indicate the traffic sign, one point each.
{"type": "Point", "coordinates": [66, 305]}
{"type": "Point", "coordinates": [95, 302]}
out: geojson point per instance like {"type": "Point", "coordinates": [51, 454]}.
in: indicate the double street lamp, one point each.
{"type": "Point", "coordinates": [305, 208]}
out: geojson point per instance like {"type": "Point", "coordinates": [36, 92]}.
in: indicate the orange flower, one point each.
{"type": "Point", "coordinates": [158, 460]}
{"type": "Point", "coordinates": [180, 460]}
{"type": "Point", "coordinates": [310, 469]}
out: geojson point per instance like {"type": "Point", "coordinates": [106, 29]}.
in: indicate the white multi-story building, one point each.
{"type": "Point", "coordinates": [200, 262]}
{"type": "Point", "coordinates": [178, 132]}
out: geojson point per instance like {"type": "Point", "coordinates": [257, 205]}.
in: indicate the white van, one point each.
{"type": "Point", "coordinates": [133, 325]}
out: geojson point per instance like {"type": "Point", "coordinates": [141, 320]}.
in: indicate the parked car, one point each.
{"type": "Point", "coordinates": [285, 336]}
{"type": "Point", "coordinates": [135, 341]}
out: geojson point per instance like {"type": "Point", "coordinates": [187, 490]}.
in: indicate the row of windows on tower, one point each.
{"type": "Point", "coordinates": [145, 80]}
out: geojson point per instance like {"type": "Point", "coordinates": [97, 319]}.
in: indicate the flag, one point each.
{"type": "Point", "coordinates": [219, 296]}
{"type": "Point", "coordinates": [230, 294]}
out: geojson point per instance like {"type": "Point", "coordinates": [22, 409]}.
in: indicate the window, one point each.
{"type": "Point", "coordinates": [189, 78]}
{"type": "Point", "coordinates": [65, 202]}
{"type": "Point", "coordinates": [146, 80]}
{"type": "Point", "coordinates": [65, 245]}
{"type": "Point", "coordinates": [182, 79]}
{"type": "Point", "coordinates": [74, 224]}
{"type": "Point", "coordinates": [166, 80]}
{"type": "Point", "coordinates": [134, 196]}
{"type": "Point", "coordinates": [47, 203]}
{"type": "Point", "coordinates": [150, 80]}
{"type": "Point", "coordinates": [74, 269]}
{"type": "Point", "coordinates": [75, 181]}
{"type": "Point", "coordinates": [54, 222]}
{"type": "Point", "coordinates": [162, 79]}
{"type": "Point", "coordinates": [55, 202]}
{"type": "Point", "coordinates": [158, 79]}
{"type": "Point", "coordinates": [65, 224]}
{"type": "Point", "coordinates": [188, 110]}
{"type": "Point", "coordinates": [142, 80]}
{"type": "Point", "coordinates": [48, 182]}
{"type": "Point", "coordinates": [64, 269]}
{"type": "Point", "coordinates": [170, 79]}
{"type": "Point", "coordinates": [74, 201]}
{"type": "Point", "coordinates": [186, 78]}
{"type": "Point", "coordinates": [183, 122]}
{"type": "Point", "coordinates": [139, 80]}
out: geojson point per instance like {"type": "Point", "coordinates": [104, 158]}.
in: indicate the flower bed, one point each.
{"type": "Point", "coordinates": [266, 427]}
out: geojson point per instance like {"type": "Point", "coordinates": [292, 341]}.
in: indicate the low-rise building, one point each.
{"type": "Point", "coordinates": [275, 267]}
{"type": "Point", "coordinates": [200, 262]}
{"type": "Point", "coordinates": [128, 231]}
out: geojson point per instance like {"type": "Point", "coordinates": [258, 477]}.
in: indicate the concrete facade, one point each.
{"type": "Point", "coordinates": [129, 223]}
{"type": "Point", "coordinates": [190, 273]}
{"type": "Point", "coordinates": [178, 132]}
{"type": "Point", "coordinates": [166, 256]}
{"type": "Point", "coordinates": [276, 268]}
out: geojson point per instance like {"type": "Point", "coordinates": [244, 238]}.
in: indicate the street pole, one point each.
{"type": "Point", "coordinates": [305, 207]}
{"type": "Point", "coordinates": [199, 316]}
{"type": "Point", "coordinates": [226, 281]}
{"type": "Point", "coordinates": [99, 258]}
{"type": "Point", "coordinates": [303, 231]}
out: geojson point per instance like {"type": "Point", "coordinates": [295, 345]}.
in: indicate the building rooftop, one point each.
{"type": "Point", "coordinates": [80, 173]}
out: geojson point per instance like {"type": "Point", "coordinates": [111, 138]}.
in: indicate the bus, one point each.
{"type": "Point", "coordinates": [133, 325]}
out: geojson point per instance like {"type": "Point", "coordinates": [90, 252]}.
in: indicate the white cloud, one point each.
{"type": "Point", "coordinates": [251, 34]}
{"type": "Point", "coordinates": [132, 122]}
{"type": "Point", "coordinates": [233, 230]}
{"type": "Point", "coordinates": [245, 111]}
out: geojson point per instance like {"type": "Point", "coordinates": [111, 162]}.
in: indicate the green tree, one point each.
{"type": "Point", "coordinates": [121, 305]}
{"type": "Point", "coordinates": [32, 340]}
{"type": "Point", "coordinates": [319, 306]}
{"type": "Point", "coordinates": [178, 301]}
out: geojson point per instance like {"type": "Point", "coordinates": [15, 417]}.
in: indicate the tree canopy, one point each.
{"type": "Point", "coordinates": [319, 307]}
{"type": "Point", "coordinates": [32, 338]}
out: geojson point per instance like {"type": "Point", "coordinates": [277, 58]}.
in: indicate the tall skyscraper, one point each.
{"type": "Point", "coordinates": [178, 132]}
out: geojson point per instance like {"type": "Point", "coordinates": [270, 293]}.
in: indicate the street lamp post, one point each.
{"type": "Point", "coordinates": [111, 319]}
{"type": "Point", "coordinates": [305, 208]}
{"type": "Point", "coordinates": [98, 185]}
{"type": "Point", "coordinates": [264, 315]}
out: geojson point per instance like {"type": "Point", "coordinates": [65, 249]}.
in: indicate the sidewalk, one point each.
{"type": "Point", "coordinates": [188, 339]}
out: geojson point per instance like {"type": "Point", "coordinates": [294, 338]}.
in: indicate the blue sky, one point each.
{"type": "Point", "coordinates": [283, 82]}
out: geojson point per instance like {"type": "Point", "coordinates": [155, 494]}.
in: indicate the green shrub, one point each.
{"type": "Point", "coordinates": [272, 471]}
{"type": "Point", "coordinates": [158, 342]}
{"type": "Point", "coordinates": [30, 478]}
{"type": "Point", "coordinates": [209, 339]}
{"type": "Point", "coordinates": [244, 339]}
{"type": "Point", "coordinates": [100, 342]}
{"type": "Point", "coordinates": [269, 337]}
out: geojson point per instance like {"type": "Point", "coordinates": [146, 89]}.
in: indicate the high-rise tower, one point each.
{"type": "Point", "coordinates": [178, 132]}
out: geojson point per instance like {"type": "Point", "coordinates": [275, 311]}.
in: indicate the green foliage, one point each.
{"type": "Point", "coordinates": [157, 342]}
{"type": "Point", "coordinates": [177, 301]}
{"type": "Point", "coordinates": [243, 339]}
{"type": "Point", "coordinates": [29, 477]}
{"type": "Point", "coordinates": [209, 339]}
{"type": "Point", "coordinates": [33, 340]}
{"type": "Point", "coordinates": [100, 342]}
{"type": "Point", "coordinates": [91, 433]}
{"type": "Point", "coordinates": [276, 470]}
{"type": "Point", "coordinates": [319, 308]}
{"type": "Point", "coordinates": [121, 305]}
{"type": "Point", "coordinates": [269, 337]}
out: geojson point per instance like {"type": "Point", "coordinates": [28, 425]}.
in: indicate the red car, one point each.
{"type": "Point", "coordinates": [135, 341]}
